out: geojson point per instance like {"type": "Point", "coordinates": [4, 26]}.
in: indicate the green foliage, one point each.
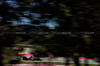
{"type": "Point", "coordinates": [39, 48]}
{"type": "Point", "coordinates": [10, 53]}
{"type": "Point", "coordinates": [87, 38]}
{"type": "Point", "coordinates": [48, 36]}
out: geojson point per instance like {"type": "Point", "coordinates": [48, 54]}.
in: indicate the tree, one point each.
{"type": "Point", "coordinates": [71, 16]}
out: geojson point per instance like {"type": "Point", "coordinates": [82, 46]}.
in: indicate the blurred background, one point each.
{"type": "Point", "coordinates": [50, 32]}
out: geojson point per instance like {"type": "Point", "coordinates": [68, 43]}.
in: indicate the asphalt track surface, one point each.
{"type": "Point", "coordinates": [34, 65]}
{"type": "Point", "coordinates": [90, 61]}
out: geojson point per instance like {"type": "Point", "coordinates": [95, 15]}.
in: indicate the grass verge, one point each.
{"type": "Point", "coordinates": [54, 63]}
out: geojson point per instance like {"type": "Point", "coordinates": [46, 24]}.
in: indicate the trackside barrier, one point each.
{"type": "Point", "coordinates": [61, 57]}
